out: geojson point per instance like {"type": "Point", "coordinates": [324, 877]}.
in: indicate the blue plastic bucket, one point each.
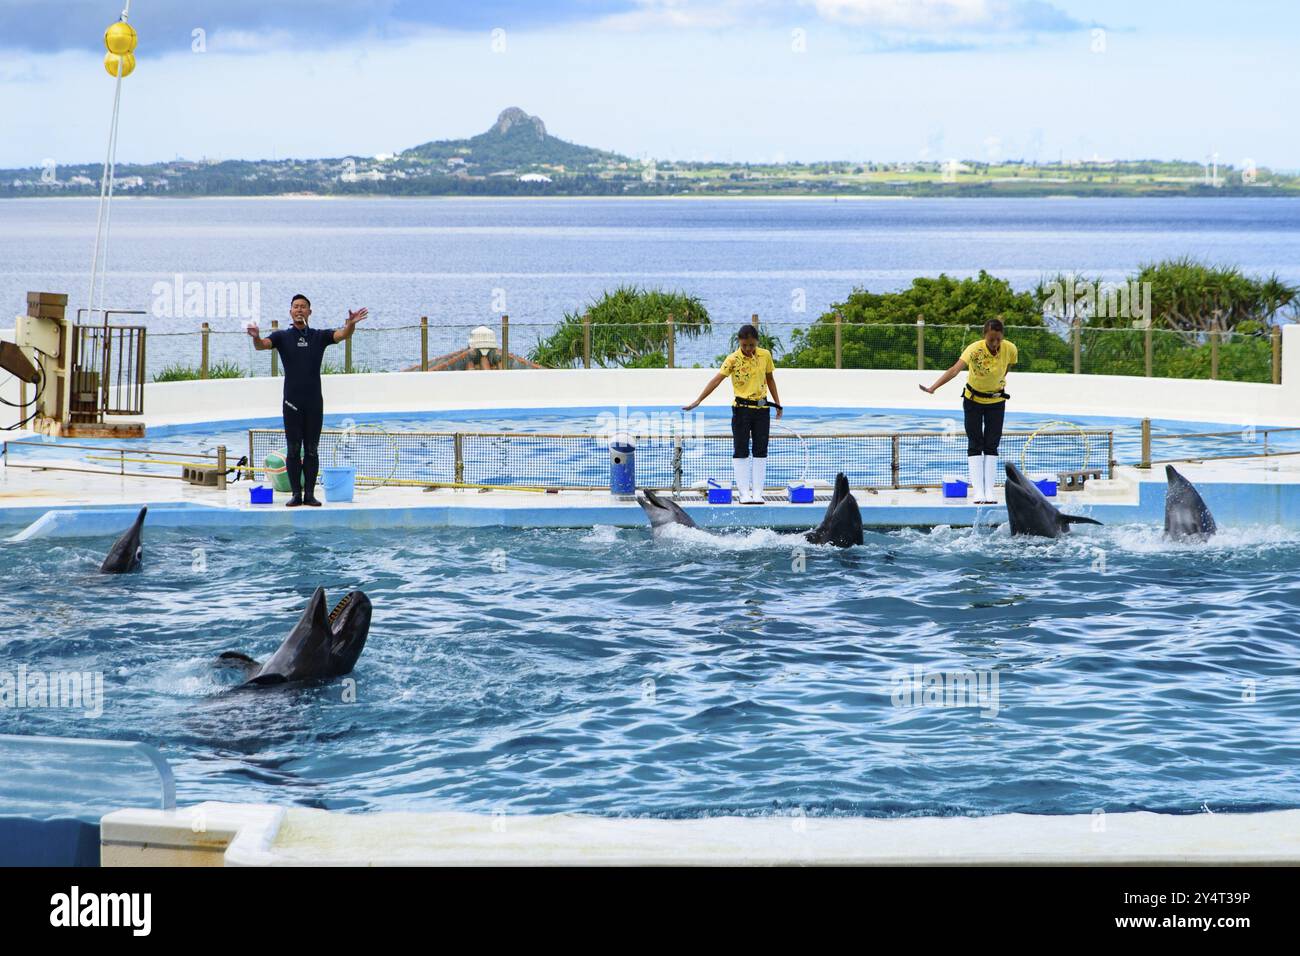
{"type": "Point", "coordinates": [338, 482]}
{"type": "Point", "coordinates": [718, 494]}
{"type": "Point", "coordinates": [800, 494]}
{"type": "Point", "coordinates": [259, 495]}
{"type": "Point", "coordinates": [955, 489]}
{"type": "Point", "coordinates": [1047, 486]}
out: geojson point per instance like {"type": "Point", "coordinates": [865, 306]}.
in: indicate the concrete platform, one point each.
{"type": "Point", "coordinates": [223, 834]}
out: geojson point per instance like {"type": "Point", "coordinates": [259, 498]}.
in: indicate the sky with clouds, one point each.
{"type": "Point", "coordinates": [739, 80]}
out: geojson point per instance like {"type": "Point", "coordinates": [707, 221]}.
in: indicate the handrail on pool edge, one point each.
{"type": "Point", "coordinates": [150, 753]}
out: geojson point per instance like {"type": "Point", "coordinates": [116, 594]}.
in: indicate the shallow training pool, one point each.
{"type": "Point", "coordinates": [385, 448]}
{"type": "Point", "coordinates": [593, 670]}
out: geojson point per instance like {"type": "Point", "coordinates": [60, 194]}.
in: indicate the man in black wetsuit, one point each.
{"type": "Point", "coordinates": [301, 349]}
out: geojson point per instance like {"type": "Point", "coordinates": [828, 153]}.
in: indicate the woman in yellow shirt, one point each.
{"type": "Point", "coordinates": [984, 401]}
{"type": "Point", "coordinates": [752, 374]}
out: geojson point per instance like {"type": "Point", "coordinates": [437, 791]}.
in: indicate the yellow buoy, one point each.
{"type": "Point", "coordinates": [111, 61]}
{"type": "Point", "coordinates": [120, 39]}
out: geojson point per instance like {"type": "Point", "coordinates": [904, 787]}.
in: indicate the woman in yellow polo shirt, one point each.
{"type": "Point", "coordinates": [984, 401]}
{"type": "Point", "coordinates": [751, 372]}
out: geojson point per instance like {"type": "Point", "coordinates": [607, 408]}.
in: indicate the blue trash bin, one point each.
{"type": "Point", "coordinates": [622, 464]}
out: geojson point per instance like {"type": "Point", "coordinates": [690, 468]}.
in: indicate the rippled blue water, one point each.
{"type": "Point", "coordinates": [595, 670]}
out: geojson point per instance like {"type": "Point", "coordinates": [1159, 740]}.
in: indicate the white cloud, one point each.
{"type": "Point", "coordinates": [922, 19]}
{"type": "Point", "coordinates": [920, 15]}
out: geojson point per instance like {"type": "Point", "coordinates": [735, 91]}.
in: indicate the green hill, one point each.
{"type": "Point", "coordinates": [516, 142]}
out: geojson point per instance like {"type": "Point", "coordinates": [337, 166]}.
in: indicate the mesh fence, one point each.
{"type": "Point", "coordinates": [574, 461]}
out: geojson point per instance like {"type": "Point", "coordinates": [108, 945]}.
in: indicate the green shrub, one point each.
{"type": "Point", "coordinates": [878, 330]}
{"type": "Point", "coordinates": [358, 368]}
{"type": "Point", "coordinates": [178, 372]}
{"type": "Point", "coordinates": [628, 326]}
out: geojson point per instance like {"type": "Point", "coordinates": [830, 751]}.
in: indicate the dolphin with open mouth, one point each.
{"type": "Point", "coordinates": [127, 552]}
{"type": "Point", "coordinates": [1030, 511]}
{"type": "Point", "coordinates": [318, 648]}
{"type": "Point", "coordinates": [1186, 514]}
{"type": "Point", "coordinates": [662, 512]}
{"type": "Point", "coordinates": [842, 524]}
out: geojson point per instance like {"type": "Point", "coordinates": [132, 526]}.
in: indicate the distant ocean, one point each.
{"type": "Point", "coordinates": [462, 262]}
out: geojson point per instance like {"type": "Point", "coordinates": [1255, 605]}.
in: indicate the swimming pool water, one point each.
{"type": "Point", "coordinates": [1237, 439]}
{"type": "Point", "coordinates": [598, 671]}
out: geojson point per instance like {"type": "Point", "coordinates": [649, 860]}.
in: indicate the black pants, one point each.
{"type": "Point", "coordinates": [302, 425]}
{"type": "Point", "coordinates": [747, 422]}
{"type": "Point", "coordinates": [983, 426]}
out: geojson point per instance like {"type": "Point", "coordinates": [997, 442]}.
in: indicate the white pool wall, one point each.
{"type": "Point", "coordinates": [224, 834]}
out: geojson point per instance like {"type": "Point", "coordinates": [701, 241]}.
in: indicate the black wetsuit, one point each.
{"type": "Point", "coordinates": [301, 353]}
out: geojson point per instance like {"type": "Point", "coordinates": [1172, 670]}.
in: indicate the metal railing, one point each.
{"type": "Point", "coordinates": [556, 461]}
{"type": "Point", "coordinates": [108, 371]}
{"type": "Point", "coordinates": [832, 343]}
{"type": "Point", "coordinates": [151, 754]}
{"type": "Point", "coordinates": [53, 457]}
{"type": "Point", "coordinates": [1264, 446]}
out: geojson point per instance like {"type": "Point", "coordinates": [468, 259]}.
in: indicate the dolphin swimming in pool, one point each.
{"type": "Point", "coordinates": [662, 512]}
{"type": "Point", "coordinates": [126, 553]}
{"type": "Point", "coordinates": [1186, 515]}
{"type": "Point", "coordinates": [842, 525]}
{"type": "Point", "coordinates": [1030, 511]}
{"type": "Point", "coordinates": [317, 647]}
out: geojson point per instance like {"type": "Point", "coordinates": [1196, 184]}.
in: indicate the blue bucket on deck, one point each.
{"type": "Point", "coordinates": [718, 495]}
{"type": "Point", "coordinates": [800, 494]}
{"type": "Point", "coordinates": [955, 488]}
{"type": "Point", "coordinates": [622, 464]}
{"type": "Point", "coordinates": [259, 495]}
{"type": "Point", "coordinates": [1047, 486]}
{"type": "Point", "coordinates": [338, 482]}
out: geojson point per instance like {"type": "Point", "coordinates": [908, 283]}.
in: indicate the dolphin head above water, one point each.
{"type": "Point", "coordinates": [1031, 513]}
{"type": "Point", "coordinates": [127, 551]}
{"type": "Point", "coordinates": [318, 647]}
{"type": "Point", "coordinates": [662, 512]}
{"type": "Point", "coordinates": [842, 524]}
{"type": "Point", "coordinates": [1186, 514]}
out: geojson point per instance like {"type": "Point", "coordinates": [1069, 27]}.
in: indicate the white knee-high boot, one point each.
{"type": "Point", "coordinates": [976, 463]}
{"type": "Point", "coordinates": [742, 470]}
{"type": "Point", "coordinates": [758, 479]}
{"type": "Point", "coordinates": [990, 476]}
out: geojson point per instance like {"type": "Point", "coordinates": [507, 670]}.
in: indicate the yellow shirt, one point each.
{"type": "Point", "coordinates": [749, 375]}
{"type": "Point", "coordinates": [988, 372]}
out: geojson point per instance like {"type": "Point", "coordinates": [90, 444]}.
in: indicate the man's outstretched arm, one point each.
{"type": "Point", "coordinates": [350, 325]}
{"type": "Point", "coordinates": [259, 343]}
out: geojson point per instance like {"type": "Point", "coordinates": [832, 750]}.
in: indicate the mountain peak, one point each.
{"type": "Point", "coordinates": [513, 116]}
